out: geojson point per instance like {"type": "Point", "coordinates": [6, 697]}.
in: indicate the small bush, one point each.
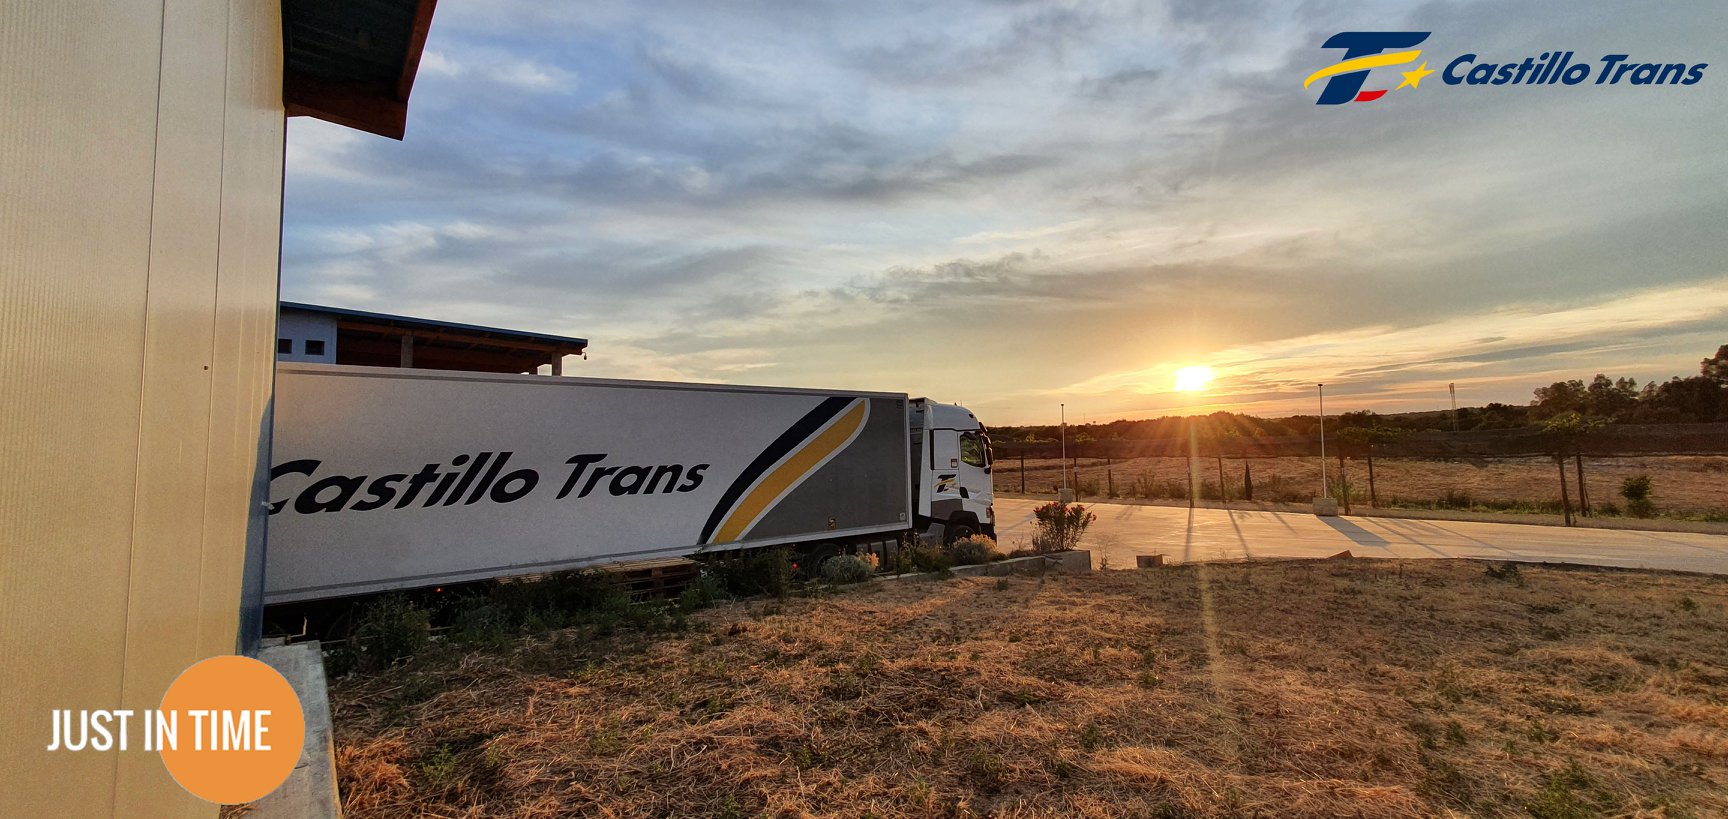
{"type": "Point", "coordinates": [439, 768]}
{"type": "Point", "coordinates": [846, 569]}
{"type": "Point", "coordinates": [1060, 526]}
{"type": "Point", "coordinates": [1570, 793]}
{"type": "Point", "coordinates": [1507, 572]}
{"type": "Point", "coordinates": [1636, 490]}
{"type": "Point", "coordinates": [482, 623]}
{"type": "Point", "coordinates": [700, 594]}
{"type": "Point", "coordinates": [765, 571]}
{"type": "Point", "coordinates": [917, 557]}
{"type": "Point", "coordinates": [389, 630]}
{"type": "Point", "coordinates": [1454, 499]}
{"type": "Point", "coordinates": [1091, 737]}
{"type": "Point", "coordinates": [558, 593]}
{"type": "Point", "coordinates": [971, 551]}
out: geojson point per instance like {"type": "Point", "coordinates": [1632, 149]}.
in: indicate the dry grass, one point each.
{"type": "Point", "coordinates": [1338, 688]}
{"type": "Point", "coordinates": [1686, 485]}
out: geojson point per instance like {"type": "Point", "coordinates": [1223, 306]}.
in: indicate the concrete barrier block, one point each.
{"type": "Point", "coordinates": [310, 792]}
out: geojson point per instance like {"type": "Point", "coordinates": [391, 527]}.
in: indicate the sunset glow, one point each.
{"type": "Point", "coordinates": [1193, 379]}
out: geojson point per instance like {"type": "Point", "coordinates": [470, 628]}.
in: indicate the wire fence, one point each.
{"type": "Point", "coordinates": [1692, 487]}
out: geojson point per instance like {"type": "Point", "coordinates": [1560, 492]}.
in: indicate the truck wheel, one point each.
{"type": "Point", "coordinates": [958, 530]}
{"type": "Point", "coordinates": [811, 564]}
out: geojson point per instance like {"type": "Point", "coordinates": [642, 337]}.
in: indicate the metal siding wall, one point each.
{"type": "Point", "coordinates": [251, 242]}
{"type": "Point", "coordinates": [140, 159]}
{"type": "Point", "coordinates": [71, 323]}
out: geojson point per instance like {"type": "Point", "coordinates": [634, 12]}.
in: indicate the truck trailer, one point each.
{"type": "Point", "coordinates": [387, 478]}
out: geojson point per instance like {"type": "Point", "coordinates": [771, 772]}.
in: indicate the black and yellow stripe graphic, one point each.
{"type": "Point", "coordinates": [801, 450]}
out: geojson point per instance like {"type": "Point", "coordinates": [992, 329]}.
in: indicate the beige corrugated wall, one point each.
{"type": "Point", "coordinates": [140, 219]}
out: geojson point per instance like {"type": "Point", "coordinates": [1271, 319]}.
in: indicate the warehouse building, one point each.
{"type": "Point", "coordinates": [333, 335]}
{"type": "Point", "coordinates": [141, 158]}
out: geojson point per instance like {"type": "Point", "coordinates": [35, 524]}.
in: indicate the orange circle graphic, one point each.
{"type": "Point", "coordinates": [223, 756]}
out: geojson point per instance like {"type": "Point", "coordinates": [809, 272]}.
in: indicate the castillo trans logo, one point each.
{"type": "Point", "coordinates": [1363, 52]}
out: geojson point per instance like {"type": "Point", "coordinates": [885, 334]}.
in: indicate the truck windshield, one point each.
{"type": "Point", "coordinates": [973, 450]}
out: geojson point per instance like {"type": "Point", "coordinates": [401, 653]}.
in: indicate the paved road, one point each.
{"type": "Point", "coordinates": [1125, 530]}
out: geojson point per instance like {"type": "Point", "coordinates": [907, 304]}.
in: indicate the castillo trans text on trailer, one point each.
{"type": "Point", "coordinates": [390, 478]}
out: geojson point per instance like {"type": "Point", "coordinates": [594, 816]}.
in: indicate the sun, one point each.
{"type": "Point", "coordinates": [1193, 379]}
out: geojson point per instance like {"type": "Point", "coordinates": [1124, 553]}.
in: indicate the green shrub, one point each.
{"type": "Point", "coordinates": [973, 550]}
{"type": "Point", "coordinates": [1570, 793]}
{"type": "Point", "coordinates": [558, 594]}
{"type": "Point", "coordinates": [1060, 526]}
{"type": "Point", "coordinates": [700, 594]}
{"type": "Point", "coordinates": [1636, 490]}
{"type": "Point", "coordinates": [1455, 500]}
{"type": "Point", "coordinates": [391, 629]}
{"type": "Point", "coordinates": [846, 569]}
{"type": "Point", "coordinates": [483, 623]}
{"type": "Point", "coordinates": [1507, 572]}
{"type": "Point", "coordinates": [917, 557]}
{"type": "Point", "coordinates": [439, 768]}
{"type": "Point", "coordinates": [764, 571]}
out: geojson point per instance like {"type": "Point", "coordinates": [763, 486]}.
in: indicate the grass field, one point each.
{"type": "Point", "coordinates": [1685, 486]}
{"type": "Point", "coordinates": [1318, 689]}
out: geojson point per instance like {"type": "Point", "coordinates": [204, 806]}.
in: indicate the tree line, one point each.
{"type": "Point", "coordinates": [1702, 398]}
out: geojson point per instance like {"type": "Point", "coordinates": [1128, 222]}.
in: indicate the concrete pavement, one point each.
{"type": "Point", "coordinates": [1125, 530]}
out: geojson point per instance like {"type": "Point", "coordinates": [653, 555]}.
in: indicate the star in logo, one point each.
{"type": "Point", "coordinates": [1413, 77]}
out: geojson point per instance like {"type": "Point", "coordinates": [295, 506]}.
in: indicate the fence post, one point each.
{"type": "Point", "coordinates": [1565, 501]}
{"type": "Point", "coordinates": [1344, 482]}
{"type": "Point", "coordinates": [1373, 499]}
{"type": "Point", "coordinates": [1022, 474]}
{"type": "Point", "coordinates": [1583, 494]}
{"type": "Point", "coordinates": [1110, 483]}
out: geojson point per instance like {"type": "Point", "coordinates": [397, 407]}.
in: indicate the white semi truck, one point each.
{"type": "Point", "coordinates": [398, 478]}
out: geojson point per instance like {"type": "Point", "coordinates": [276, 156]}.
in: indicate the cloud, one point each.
{"type": "Point", "coordinates": [1004, 200]}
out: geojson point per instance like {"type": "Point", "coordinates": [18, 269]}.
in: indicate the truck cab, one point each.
{"type": "Point", "coordinates": [951, 466]}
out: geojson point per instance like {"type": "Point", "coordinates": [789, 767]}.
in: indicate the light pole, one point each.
{"type": "Point", "coordinates": [1325, 489]}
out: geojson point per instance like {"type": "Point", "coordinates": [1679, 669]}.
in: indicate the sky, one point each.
{"type": "Point", "coordinates": [1015, 205]}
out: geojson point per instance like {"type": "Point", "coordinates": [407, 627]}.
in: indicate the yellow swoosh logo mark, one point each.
{"type": "Point", "coordinates": [1363, 64]}
{"type": "Point", "coordinates": [789, 472]}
